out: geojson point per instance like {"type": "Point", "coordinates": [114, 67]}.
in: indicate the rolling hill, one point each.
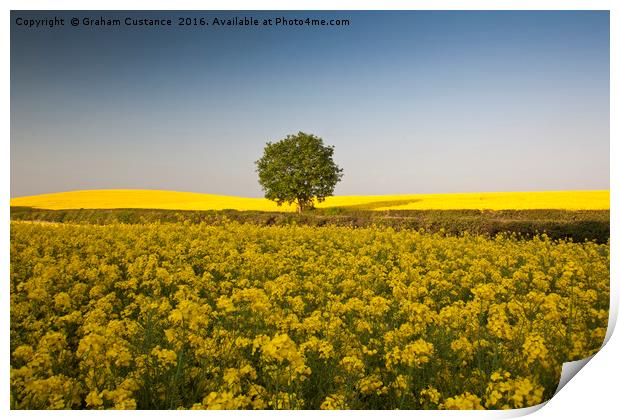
{"type": "Point", "coordinates": [172, 200]}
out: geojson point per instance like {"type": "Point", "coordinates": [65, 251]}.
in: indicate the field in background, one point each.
{"type": "Point", "coordinates": [171, 200]}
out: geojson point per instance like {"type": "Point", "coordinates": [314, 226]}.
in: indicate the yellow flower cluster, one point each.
{"type": "Point", "coordinates": [235, 316]}
{"type": "Point", "coordinates": [413, 355]}
{"type": "Point", "coordinates": [465, 401]}
{"type": "Point", "coordinates": [504, 392]}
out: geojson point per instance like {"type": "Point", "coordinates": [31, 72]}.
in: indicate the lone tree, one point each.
{"type": "Point", "coordinates": [298, 169]}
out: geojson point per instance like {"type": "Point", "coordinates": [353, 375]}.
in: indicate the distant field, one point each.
{"type": "Point", "coordinates": [171, 200]}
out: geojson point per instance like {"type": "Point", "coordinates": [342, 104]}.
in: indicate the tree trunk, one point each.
{"type": "Point", "coordinates": [300, 206]}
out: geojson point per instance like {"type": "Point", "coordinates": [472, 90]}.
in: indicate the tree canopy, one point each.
{"type": "Point", "coordinates": [298, 169]}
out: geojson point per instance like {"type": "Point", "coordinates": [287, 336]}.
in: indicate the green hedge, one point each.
{"type": "Point", "coordinates": [557, 224]}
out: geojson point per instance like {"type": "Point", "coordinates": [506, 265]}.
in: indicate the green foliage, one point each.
{"type": "Point", "coordinates": [298, 169]}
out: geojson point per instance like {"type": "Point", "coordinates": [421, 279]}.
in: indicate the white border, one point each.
{"type": "Point", "coordinates": [593, 393]}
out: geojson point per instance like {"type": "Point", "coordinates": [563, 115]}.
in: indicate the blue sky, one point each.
{"type": "Point", "coordinates": [414, 102]}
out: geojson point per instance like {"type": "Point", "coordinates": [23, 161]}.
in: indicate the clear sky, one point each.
{"type": "Point", "coordinates": [414, 102]}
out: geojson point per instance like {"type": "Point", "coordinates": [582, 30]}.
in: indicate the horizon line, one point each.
{"type": "Point", "coordinates": [334, 195]}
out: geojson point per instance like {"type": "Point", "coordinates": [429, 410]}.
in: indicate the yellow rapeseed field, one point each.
{"type": "Point", "coordinates": [106, 199]}
{"type": "Point", "coordinates": [240, 316]}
